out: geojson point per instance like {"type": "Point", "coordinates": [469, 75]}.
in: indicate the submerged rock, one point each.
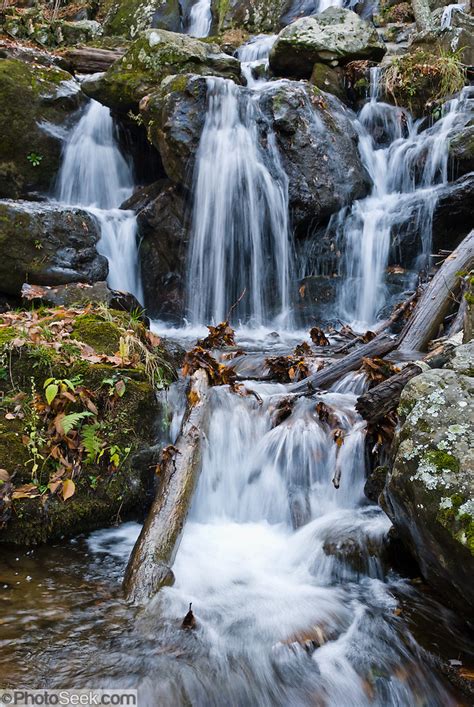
{"type": "Point", "coordinates": [335, 36]}
{"type": "Point", "coordinates": [152, 57]}
{"type": "Point", "coordinates": [46, 244]}
{"type": "Point", "coordinates": [430, 489]}
{"type": "Point", "coordinates": [129, 17]}
{"type": "Point", "coordinates": [36, 103]}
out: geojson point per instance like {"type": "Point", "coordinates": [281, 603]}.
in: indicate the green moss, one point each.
{"type": "Point", "coordinates": [6, 335]}
{"type": "Point", "coordinates": [442, 460]}
{"type": "Point", "coordinates": [103, 336]}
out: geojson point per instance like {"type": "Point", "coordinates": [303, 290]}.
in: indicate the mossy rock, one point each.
{"type": "Point", "coordinates": [103, 336]}
{"type": "Point", "coordinates": [31, 99]}
{"type": "Point", "coordinates": [152, 57]}
{"type": "Point", "coordinates": [430, 491]}
{"type": "Point", "coordinates": [254, 16]}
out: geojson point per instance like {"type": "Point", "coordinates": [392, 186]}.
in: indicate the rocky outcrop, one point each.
{"type": "Point", "coordinates": [46, 244]}
{"type": "Point", "coordinates": [430, 490]}
{"type": "Point", "coordinates": [128, 17]}
{"type": "Point", "coordinates": [37, 103]}
{"type": "Point", "coordinates": [336, 36]}
{"type": "Point", "coordinates": [163, 227]}
{"type": "Point", "coordinates": [458, 38]}
{"type": "Point", "coordinates": [174, 116]}
{"type": "Point", "coordinates": [318, 148]}
{"type": "Point", "coordinates": [155, 55]}
{"type": "Point", "coordinates": [461, 151]}
{"type": "Point", "coordinates": [31, 24]}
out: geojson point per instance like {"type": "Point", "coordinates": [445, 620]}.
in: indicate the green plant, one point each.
{"type": "Point", "coordinates": [54, 386]}
{"type": "Point", "coordinates": [34, 159]}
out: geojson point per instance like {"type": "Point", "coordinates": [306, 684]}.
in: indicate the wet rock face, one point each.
{"type": "Point", "coordinates": [335, 36]}
{"type": "Point", "coordinates": [430, 490]}
{"type": "Point", "coordinates": [47, 244]}
{"type": "Point", "coordinates": [318, 147]}
{"type": "Point", "coordinates": [175, 116]}
{"type": "Point", "coordinates": [37, 103]}
{"type": "Point", "coordinates": [129, 17]}
{"type": "Point", "coordinates": [155, 55]}
{"type": "Point", "coordinates": [163, 228]}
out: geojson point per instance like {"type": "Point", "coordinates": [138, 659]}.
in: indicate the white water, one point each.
{"type": "Point", "coordinates": [447, 16]}
{"type": "Point", "coordinates": [200, 19]}
{"type": "Point", "coordinates": [392, 146]}
{"type": "Point", "coordinates": [95, 175]}
{"type": "Point", "coordinates": [240, 243]}
{"type": "Point", "coordinates": [254, 55]}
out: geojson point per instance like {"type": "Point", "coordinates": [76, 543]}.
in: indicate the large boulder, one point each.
{"type": "Point", "coordinates": [164, 231]}
{"type": "Point", "coordinates": [318, 147]}
{"type": "Point", "coordinates": [128, 18]}
{"type": "Point", "coordinates": [152, 57]}
{"type": "Point", "coordinates": [175, 116]}
{"type": "Point", "coordinates": [458, 39]}
{"type": "Point", "coordinates": [461, 151]}
{"type": "Point", "coordinates": [37, 103]}
{"type": "Point", "coordinates": [255, 16]}
{"type": "Point", "coordinates": [46, 244]}
{"type": "Point", "coordinates": [430, 490]}
{"type": "Point", "coordinates": [336, 36]}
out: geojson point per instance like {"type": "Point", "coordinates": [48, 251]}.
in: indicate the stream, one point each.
{"type": "Point", "coordinates": [292, 580]}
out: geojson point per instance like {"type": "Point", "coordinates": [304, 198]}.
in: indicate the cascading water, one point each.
{"type": "Point", "coordinates": [254, 55]}
{"type": "Point", "coordinates": [240, 250]}
{"type": "Point", "coordinates": [200, 18]}
{"type": "Point", "coordinates": [95, 175]}
{"type": "Point", "coordinates": [407, 165]}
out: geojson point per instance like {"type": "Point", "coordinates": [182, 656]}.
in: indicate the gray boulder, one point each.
{"type": "Point", "coordinates": [255, 16]}
{"type": "Point", "coordinates": [45, 244]}
{"type": "Point", "coordinates": [430, 490]}
{"type": "Point", "coordinates": [336, 36]}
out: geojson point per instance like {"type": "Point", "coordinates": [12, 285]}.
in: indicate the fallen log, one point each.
{"type": "Point", "coordinates": [379, 346]}
{"type": "Point", "coordinates": [378, 402]}
{"type": "Point", "coordinates": [437, 299]}
{"type": "Point", "coordinates": [149, 567]}
{"type": "Point", "coordinates": [90, 60]}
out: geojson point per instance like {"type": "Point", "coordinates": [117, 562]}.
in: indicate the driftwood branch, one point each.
{"type": "Point", "coordinates": [90, 60]}
{"type": "Point", "coordinates": [379, 346]}
{"type": "Point", "coordinates": [384, 398]}
{"type": "Point", "coordinates": [149, 567]}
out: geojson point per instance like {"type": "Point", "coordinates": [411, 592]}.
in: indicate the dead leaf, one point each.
{"type": "Point", "coordinates": [69, 489]}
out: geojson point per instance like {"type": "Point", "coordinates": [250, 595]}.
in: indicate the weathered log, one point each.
{"type": "Point", "coordinates": [437, 299]}
{"type": "Point", "coordinates": [379, 346]}
{"type": "Point", "coordinates": [149, 567]}
{"type": "Point", "coordinates": [90, 60]}
{"type": "Point", "coordinates": [384, 398]}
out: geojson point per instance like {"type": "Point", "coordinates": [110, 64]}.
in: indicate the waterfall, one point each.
{"type": "Point", "coordinates": [393, 147]}
{"type": "Point", "coordinates": [200, 19]}
{"type": "Point", "coordinates": [254, 54]}
{"type": "Point", "coordinates": [240, 250]}
{"type": "Point", "coordinates": [95, 176]}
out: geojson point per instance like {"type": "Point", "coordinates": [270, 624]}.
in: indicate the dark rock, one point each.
{"type": "Point", "coordinates": [329, 79]}
{"type": "Point", "coordinates": [334, 36]}
{"type": "Point", "coordinates": [318, 148]}
{"type": "Point", "coordinates": [47, 244]}
{"type": "Point", "coordinates": [80, 293]}
{"type": "Point", "coordinates": [152, 57]}
{"type": "Point", "coordinates": [175, 116]}
{"type": "Point", "coordinates": [461, 151]}
{"type": "Point", "coordinates": [163, 228]}
{"type": "Point", "coordinates": [375, 483]}
{"type": "Point", "coordinates": [36, 105]}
